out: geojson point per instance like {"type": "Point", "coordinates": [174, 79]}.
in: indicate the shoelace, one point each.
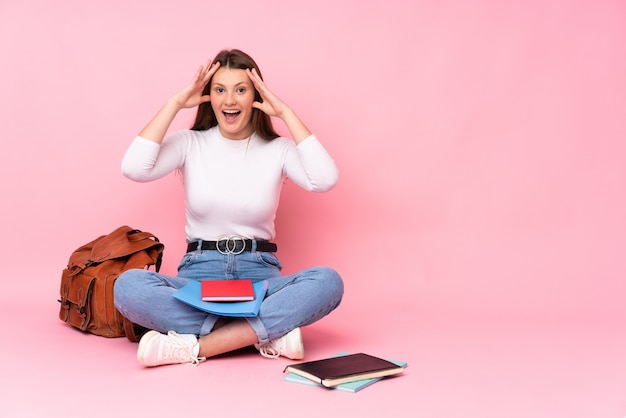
{"type": "Point", "coordinates": [269, 351]}
{"type": "Point", "coordinates": [181, 349]}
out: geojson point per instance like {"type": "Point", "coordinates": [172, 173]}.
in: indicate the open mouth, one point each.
{"type": "Point", "coordinates": [231, 115]}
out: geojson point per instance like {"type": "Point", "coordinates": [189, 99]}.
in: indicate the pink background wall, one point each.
{"type": "Point", "coordinates": [481, 144]}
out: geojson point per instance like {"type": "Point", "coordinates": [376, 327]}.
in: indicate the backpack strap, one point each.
{"type": "Point", "coordinates": [123, 242]}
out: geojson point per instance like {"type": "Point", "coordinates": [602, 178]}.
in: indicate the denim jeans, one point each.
{"type": "Point", "coordinates": [145, 297]}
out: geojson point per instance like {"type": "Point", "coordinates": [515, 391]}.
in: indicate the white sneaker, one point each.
{"type": "Point", "coordinates": [289, 345]}
{"type": "Point", "coordinates": [156, 349]}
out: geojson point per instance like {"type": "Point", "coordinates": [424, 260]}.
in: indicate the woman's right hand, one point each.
{"type": "Point", "coordinates": [191, 95]}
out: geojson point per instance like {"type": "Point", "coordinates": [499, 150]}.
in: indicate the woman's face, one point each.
{"type": "Point", "coordinates": [232, 95]}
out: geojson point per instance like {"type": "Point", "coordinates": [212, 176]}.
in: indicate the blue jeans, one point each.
{"type": "Point", "coordinates": [145, 297]}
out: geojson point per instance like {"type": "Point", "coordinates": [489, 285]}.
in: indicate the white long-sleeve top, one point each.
{"type": "Point", "coordinates": [231, 187]}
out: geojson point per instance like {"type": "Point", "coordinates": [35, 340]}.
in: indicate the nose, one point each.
{"type": "Point", "coordinates": [230, 97]}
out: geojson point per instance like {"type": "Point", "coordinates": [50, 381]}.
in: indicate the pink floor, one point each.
{"type": "Point", "coordinates": [460, 365]}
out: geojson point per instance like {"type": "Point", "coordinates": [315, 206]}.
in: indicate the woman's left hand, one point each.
{"type": "Point", "coordinates": [271, 104]}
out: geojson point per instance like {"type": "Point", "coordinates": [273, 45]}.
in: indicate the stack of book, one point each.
{"type": "Point", "coordinates": [344, 372]}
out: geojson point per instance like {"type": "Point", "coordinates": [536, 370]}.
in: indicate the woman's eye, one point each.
{"type": "Point", "coordinates": [219, 90]}
{"type": "Point", "coordinates": [241, 90]}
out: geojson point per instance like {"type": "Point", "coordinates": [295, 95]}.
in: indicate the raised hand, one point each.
{"type": "Point", "coordinates": [271, 104]}
{"type": "Point", "coordinates": [191, 95]}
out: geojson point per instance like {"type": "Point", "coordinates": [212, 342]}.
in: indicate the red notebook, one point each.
{"type": "Point", "coordinates": [236, 290]}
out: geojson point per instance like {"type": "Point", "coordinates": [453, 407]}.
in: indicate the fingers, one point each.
{"type": "Point", "coordinates": [211, 69]}
{"type": "Point", "coordinates": [266, 94]}
{"type": "Point", "coordinates": [206, 71]}
{"type": "Point", "coordinates": [256, 79]}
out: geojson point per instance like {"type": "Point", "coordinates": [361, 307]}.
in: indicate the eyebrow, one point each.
{"type": "Point", "coordinates": [238, 84]}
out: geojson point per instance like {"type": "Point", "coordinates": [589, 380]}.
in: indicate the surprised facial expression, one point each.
{"type": "Point", "coordinates": [232, 95]}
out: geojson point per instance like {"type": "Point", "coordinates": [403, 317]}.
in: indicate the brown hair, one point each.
{"type": "Point", "coordinates": [205, 118]}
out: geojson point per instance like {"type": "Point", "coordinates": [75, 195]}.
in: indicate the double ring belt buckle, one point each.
{"type": "Point", "coordinates": [229, 243]}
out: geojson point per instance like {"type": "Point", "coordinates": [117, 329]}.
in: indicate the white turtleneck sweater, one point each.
{"type": "Point", "coordinates": [231, 187]}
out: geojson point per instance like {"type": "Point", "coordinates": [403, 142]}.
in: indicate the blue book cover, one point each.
{"type": "Point", "coordinates": [351, 387]}
{"type": "Point", "coordinates": [191, 295]}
